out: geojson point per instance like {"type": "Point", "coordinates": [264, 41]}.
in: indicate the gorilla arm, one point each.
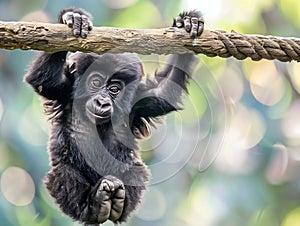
{"type": "Point", "coordinates": [165, 96]}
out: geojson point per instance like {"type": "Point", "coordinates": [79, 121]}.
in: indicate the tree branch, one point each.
{"type": "Point", "coordinates": [57, 37]}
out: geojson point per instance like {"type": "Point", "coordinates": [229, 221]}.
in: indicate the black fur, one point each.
{"type": "Point", "coordinates": [97, 173]}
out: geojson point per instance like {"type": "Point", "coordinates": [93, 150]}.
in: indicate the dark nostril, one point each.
{"type": "Point", "coordinates": [97, 102]}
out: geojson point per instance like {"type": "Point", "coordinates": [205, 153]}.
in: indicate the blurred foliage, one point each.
{"type": "Point", "coordinates": [230, 158]}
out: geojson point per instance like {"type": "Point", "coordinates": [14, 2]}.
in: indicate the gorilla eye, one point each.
{"type": "Point", "coordinates": [115, 87]}
{"type": "Point", "coordinates": [96, 82]}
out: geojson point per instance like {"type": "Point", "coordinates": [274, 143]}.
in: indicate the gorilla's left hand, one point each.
{"type": "Point", "coordinates": [191, 21]}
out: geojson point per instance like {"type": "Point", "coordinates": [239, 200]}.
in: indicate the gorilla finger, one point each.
{"type": "Point", "coordinates": [107, 185]}
{"type": "Point", "coordinates": [115, 182]}
{"type": "Point", "coordinates": [179, 22]}
{"type": "Point", "coordinates": [194, 27]}
{"type": "Point", "coordinates": [67, 18]}
{"type": "Point", "coordinates": [120, 193]}
{"type": "Point", "coordinates": [119, 185]}
{"type": "Point", "coordinates": [102, 196]}
{"type": "Point", "coordinates": [200, 28]}
{"type": "Point", "coordinates": [90, 25]}
{"type": "Point", "coordinates": [116, 211]}
{"type": "Point", "coordinates": [77, 24]}
{"type": "Point", "coordinates": [104, 213]}
{"type": "Point", "coordinates": [187, 23]}
{"type": "Point", "coordinates": [117, 207]}
{"type": "Point", "coordinates": [117, 204]}
{"type": "Point", "coordinates": [193, 34]}
{"type": "Point", "coordinates": [84, 26]}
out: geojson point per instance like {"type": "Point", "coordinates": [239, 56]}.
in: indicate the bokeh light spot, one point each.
{"type": "Point", "coordinates": [278, 164]}
{"type": "Point", "coordinates": [266, 84]}
{"type": "Point", "coordinates": [17, 186]}
{"type": "Point", "coordinates": [294, 72]}
{"type": "Point", "coordinates": [290, 123]}
{"type": "Point", "coordinates": [153, 206]}
{"type": "Point", "coordinates": [232, 84]}
{"type": "Point", "coordinates": [292, 218]}
{"type": "Point", "coordinates": [246, 129]}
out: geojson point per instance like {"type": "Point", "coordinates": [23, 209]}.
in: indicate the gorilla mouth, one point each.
{"type": "Point", "coordinates": [99, 117]}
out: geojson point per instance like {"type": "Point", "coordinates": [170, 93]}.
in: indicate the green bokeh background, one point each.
{"type": "Point", "coordinates": [231, 158]}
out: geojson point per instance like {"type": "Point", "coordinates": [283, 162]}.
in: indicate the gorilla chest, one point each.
{"type": "Point", "coordinates": [106, 155]}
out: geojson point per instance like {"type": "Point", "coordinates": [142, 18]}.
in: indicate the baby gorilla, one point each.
{"type": "Point", "coordinates": [98, 107]}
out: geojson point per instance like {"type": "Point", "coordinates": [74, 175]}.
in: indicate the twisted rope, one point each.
{"type": "Point", "coordinates": [256, 47]}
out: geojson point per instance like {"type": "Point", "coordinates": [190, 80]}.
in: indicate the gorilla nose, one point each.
{"type": "Point", "coordinates": [102, 105]}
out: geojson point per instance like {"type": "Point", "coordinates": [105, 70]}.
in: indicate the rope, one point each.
{"type": "Point", "coordinates": [256, 47]}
